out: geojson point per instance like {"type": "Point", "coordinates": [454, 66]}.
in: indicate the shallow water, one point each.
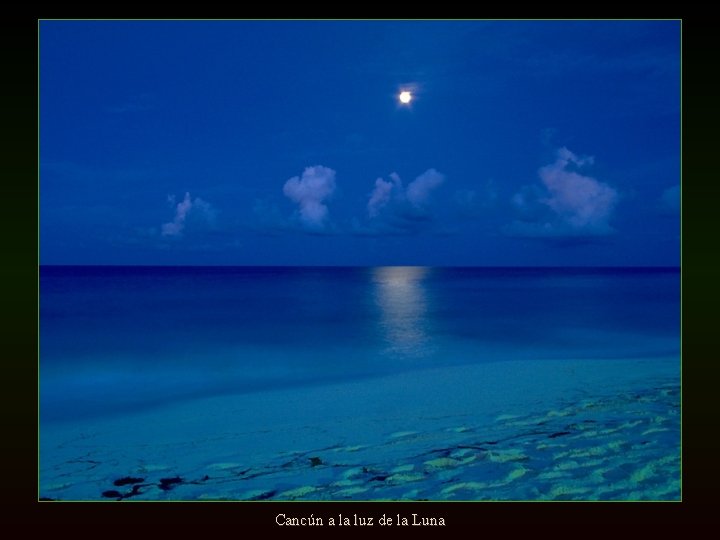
{"type": "Point", "coordinates": [123, 338]}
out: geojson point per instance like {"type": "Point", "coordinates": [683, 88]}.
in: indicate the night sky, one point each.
{"type": "Point", "coordinates": [284, 143]}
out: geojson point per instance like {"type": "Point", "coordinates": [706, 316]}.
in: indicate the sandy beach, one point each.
{"type": "Point", "coordinates": [515, 430]}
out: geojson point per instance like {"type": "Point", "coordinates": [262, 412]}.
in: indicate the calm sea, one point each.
{"type": "Point", "coordinates": [113, 339]}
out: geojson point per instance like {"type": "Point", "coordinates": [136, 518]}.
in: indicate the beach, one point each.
{"type": "Point", "coordinates": [349, 260]}
{"type": "Point", "coordinates": [402, 383]}
{"type": "Point", "coordinates": [549, 430]}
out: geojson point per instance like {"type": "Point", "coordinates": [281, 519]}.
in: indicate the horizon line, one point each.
{"type": "Point", "coordinates": [674, 267]}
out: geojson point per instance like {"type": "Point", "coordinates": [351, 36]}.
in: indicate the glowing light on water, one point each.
{"type": "Point", "coordinates": [403, 304]}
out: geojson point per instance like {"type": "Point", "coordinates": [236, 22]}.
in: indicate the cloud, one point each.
{"type": "Point", "coordinates": [418, 191]}
{"type": "Point", "coordinates": [188, 211]}
{"type": "Point", "coordinates": [379, 197]}
{"type": "Point", "coordinates": [566, 204]}
{"type": "Point", "coordinates": [670, 200]}
{"type": "Point", "coordinates": [395, 209]}
{"type": "Point", "coordinates": [383, 194]}
{"type": "Point", "coordinates": [310, 192]}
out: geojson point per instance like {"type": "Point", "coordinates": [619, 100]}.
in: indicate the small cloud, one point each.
{"type": "Point", "coordinates": [566, 204]}
{"type": "Point", "coordinates": [383, 193]}
{"type": "Point", "coordinates": [419, 190]}
{"type": "Point", "coordinates": [670, 201]}
{"type": "Point", "coordinates": [310, 192]}
{"type": "Point", "coordinates": [379, 197]}
{"type": "Point", "coordinates": [188, 211]}
{"type": "Point", "coordinates": [395, 209]}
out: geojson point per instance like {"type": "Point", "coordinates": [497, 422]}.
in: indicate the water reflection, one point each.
{"type": "Point", "coordinates": [402, 299]}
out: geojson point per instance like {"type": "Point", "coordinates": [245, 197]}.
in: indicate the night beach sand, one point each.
{"type": "Point", "coordinates": [524, 430]}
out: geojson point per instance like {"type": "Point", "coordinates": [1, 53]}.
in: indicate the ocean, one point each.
{"type": "Point", "coordinates": [120, 343]}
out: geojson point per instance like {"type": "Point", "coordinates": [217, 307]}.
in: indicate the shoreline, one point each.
{"type": "Point", "coordinates": [315, 442]}
{"type": "Point", "coordinates": [163, 402]}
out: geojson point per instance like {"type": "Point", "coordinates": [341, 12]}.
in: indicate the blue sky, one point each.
{"type": "Point", "coordinates": [283, 142]}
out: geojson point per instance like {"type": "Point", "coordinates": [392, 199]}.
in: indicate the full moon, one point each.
{"type": "Point", "coordinates": [405, 97]}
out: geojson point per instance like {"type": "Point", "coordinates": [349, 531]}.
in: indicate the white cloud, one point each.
{"type": "Point", "coordinates": [395, 209]}
{"type": "Point", "coordinates": [186, 211]}
{"type": "Point", "coordinates": [566, 203]}
{"type": "Point", "coordinates": [310, 192]}
{"type": "Point", "coordinates": [379, 197]}
{"type": "Point", "coordinates": [383, 192]}
{"type": "Point", "coordinates": [419, 190]}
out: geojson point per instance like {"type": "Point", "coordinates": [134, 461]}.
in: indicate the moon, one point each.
{"type": "Point", "coordinates": [405, 97]}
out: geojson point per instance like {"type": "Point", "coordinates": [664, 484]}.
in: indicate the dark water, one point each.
{"type": "Point", "coordinates": [120, 338]}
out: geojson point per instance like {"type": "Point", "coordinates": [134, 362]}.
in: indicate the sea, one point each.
{"type": "Point", "coordinates": [117, 341]}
